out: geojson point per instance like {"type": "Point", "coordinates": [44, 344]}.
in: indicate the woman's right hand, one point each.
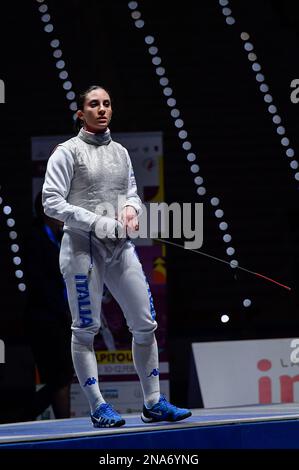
{"type": "Point", "coordinates": [106, 227]}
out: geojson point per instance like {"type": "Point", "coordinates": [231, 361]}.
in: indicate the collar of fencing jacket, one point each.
{"type": "Point", "coordinates": [101, 138]}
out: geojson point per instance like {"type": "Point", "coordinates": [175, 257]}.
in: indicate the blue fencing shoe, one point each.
{"type": "Point", "coordinates": [164, 411]}
{"type": "Point", "coordinates": [106, 417]}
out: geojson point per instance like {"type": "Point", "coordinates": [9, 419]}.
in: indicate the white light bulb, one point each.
{"type": "Point", "coordinates": [171, 102]}
{"type": "Point", "coordinates": [149, 39]}
{"type": "Point", "coordinates": [153, 50]}
{"type": "Point", "coordinates": [290, 152]}
{"type": "Point", "coordinates": [187, 145]}
{"type": "Point", "coordinates": [13, 235]}
{"type": "Point", "coordinates": [191, 157]}
{"type": "Point", "coordinates": [183, 134]}
{"type": "Point", "coordinates": [10, 222]}
{"type": "Point", "coordinates": [54, 43]}
{"type": "Point", "coordinates": [49, 28]}
{"type": "Point", "coordinates": [132, 5]}
{"type": "Point", "coordinates": [227, 238]}
{"type": "Point", "coordinates": [214, 201]}
{"type": "Point", "coordinates": [224, 318]}
{"type": "Point", "coordinates": [7, 210]}
{"type": "Point", "coordinates": [248, 46]}
{"type": "Point", "coordinates": [244, 36]}
{"type": "Point", "coordinates": [230, 20]}
{"type": "Point", "coordinates": [198, 179]}
{"type": "Point", "coordinates": [194, 168]}
{"type": "Point", "coordinates": [223, 226]}
{"type": "Point", "coordinates": [234, 263]}
{"type": "Point", "coordinates": [201, 190]}
{"type": "Point", "coordinates": [60, 64]}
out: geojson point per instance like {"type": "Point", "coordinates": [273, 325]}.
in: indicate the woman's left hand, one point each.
{"type": "Point", "coordinates": [129, 218]}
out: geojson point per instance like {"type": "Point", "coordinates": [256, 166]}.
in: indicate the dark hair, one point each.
{"type": "Point", "coordinates": [81, 101]}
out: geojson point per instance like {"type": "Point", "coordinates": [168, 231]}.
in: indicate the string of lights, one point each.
{"type": "Point", "coordinates": [175, 113]}
{"type": "Point", "coordinates": [55, 44]}
{"type": "Point", "coordinates": [15, 248]}
{"type": "Point", "coordinates": [263, 88]}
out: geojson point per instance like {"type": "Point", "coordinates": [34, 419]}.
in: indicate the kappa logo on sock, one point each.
{"type": "Point", "coordinates": [154, 373]}
{"type": "Point", "coordinates": [90, 381]}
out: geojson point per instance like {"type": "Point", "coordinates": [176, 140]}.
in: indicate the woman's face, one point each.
{"type": "Point", "coordinates": [97, 111]}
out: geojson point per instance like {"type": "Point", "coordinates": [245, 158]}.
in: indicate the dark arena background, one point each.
{"type": "Point", "coordinates": [230, 142]}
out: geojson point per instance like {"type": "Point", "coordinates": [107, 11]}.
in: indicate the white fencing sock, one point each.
{"type": "Point", "coordinates": [86, 368]}
{"type": "Point", "coordinates": [146, 362]}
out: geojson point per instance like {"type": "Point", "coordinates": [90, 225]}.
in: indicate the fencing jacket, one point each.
{"type": "Point", "coordinates": [83, 174]}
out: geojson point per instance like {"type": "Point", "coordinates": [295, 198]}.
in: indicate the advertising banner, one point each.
{"type": "Point", "coordinates": [249, 372]}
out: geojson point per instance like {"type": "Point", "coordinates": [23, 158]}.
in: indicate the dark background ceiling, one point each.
{"type": "Point", "coordinates": [240, 155]}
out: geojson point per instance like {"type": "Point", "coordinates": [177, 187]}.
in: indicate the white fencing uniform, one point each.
{"type": "Point", "coordinates": [83, 175]}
